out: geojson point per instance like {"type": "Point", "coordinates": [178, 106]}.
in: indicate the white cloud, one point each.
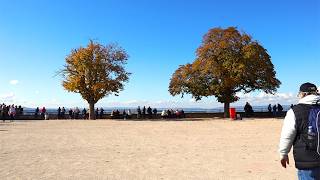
{"type": "Point", "coordinates": [7, 98]}
{"type": "Point", "coordinates": [14, 82]}
{"type": "Point", "coordinates": [263, 98]}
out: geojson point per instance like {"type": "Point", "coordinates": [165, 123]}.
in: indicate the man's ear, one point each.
{"type": "Point", "coordinates": [301, 95]}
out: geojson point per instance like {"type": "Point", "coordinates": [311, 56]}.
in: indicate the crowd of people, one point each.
{"type": "Point", "coordinates": [76, 113]}
{"type": "Point", "coordinates": [276, 110]}
{"type": "Point", "coordinates": [10, 112]}
{"type": "Point", "coordinates": [116, 114]}
{"type": "Point", "coordinates": [99, 113]}
{"type": "Point", "coordinates": [42, 112]}
{"type": "Point", "coordinates": [147, 113]}
{"type": "Point", "coordinates": [170, 113]}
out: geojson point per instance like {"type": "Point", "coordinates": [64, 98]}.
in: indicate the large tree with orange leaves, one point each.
{"type": "Point", "coordinates": [95, 71]}
{"type": "Point", "coordinates": [227, 62]}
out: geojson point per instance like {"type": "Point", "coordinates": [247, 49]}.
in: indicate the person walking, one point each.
{"type": "Point", "coordinates": [300, 130]}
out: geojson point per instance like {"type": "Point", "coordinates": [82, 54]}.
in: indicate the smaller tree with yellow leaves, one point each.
{"type": "Point", "coordinates": [95, 71]}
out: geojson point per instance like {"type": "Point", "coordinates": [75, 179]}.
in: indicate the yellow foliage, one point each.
{"type": "Point", "coordinates": [95, 71]}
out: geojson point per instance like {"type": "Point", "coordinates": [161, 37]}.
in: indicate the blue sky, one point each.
{"type": "Point", "coordinates": [36, 36]}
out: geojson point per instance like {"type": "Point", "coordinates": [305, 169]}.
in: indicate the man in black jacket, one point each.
{"type": "Point", "coordinates": [301, 130]}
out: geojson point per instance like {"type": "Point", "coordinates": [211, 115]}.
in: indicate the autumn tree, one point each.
{"type": "Point", "coordinates": [226, 62]}
{"type": "Point", "coordinates": [95, 71]}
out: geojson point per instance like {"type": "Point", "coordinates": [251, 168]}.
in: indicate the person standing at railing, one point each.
{"type": "Point", "coordinates": [97, 113]}
{"type": "Point", "coordinates": [12, 112]}
{"type": "Point", "coordinates": [124, 114]}
{"type": "Point", "coordinates": [43, 111]}
{"type": "Point", "coordinates": [129, 114]}
{"type": "Point", "coordinates": [63, 112]}
{"type": "Point", "coordinates": [76, 113]}
{"type": "Point", "coordinates": [17, 111]}
{"type": "Point", "coordinates": [183, 115]}
{"type": "Point", "coordinates": [4, 112]}
{"type": "Point", "coordinates": [84, 113]}
{"type": "Point", "coordinates": [280, 109]}
{"type": "Point", "coordinates": [164, 114]}
{"type": "Point", "coordinates": [1, 112]}
{"type": "Point", "coordinates": [36, 112]}
{"type": "Point", "coordinates": [138, 112]}
{"type": "Point", "coordinates": [59, 113]}
{"type": "Point", "coordinates": [101, 112]}
{"type": "Point", "coordinates": [20, 110]}
{"type": "Point", "coordinates": [149, 111]}
{"type": "Point", "coordinates": [269, 108]}
{"type": "Point", "coordinates": [274, 108]}
{"type": "Point", "coordinates": [70, 113]}
{"type": "Point", "coordinates": [144, 112]}
{"type": "Point", "coordinates": [155, 111]}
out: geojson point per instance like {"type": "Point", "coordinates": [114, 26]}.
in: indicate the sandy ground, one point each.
{"type": "Point", "coordinates": [108, 149]}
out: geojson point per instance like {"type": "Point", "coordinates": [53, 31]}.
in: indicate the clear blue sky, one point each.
{"type": "Point", "coordinates": [36, 36]}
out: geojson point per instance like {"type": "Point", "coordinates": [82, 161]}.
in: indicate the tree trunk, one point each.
{"type": "Point", "coordinates": [91, 111]}
{"type": "Point", "coordinates": [226, 109]}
